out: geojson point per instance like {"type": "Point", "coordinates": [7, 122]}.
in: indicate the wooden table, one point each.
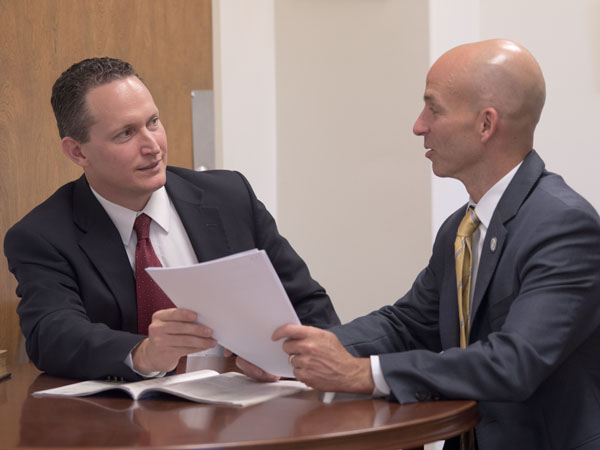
{"type": "Point", "coordinates": [299, 421]}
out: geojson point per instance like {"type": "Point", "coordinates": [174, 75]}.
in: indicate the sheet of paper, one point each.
{"type": "Point", "coordinates": [241, 298]}
{"type": "Point", "coordinates": [234, 389]}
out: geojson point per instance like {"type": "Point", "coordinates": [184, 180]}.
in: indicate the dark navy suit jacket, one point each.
{"type": "Point", "coordinates": [77, 288]}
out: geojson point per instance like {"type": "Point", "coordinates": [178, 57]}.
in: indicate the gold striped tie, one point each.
{"type": "Point", "coordinates": [463, 257]}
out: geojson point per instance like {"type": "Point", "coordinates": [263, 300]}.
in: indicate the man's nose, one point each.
{"type": "Point", "coordinates": [149, 142]}
{"type": "Point", "coordinates": [419, 128]}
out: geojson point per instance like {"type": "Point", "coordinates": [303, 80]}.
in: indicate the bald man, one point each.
{"type": "Point", "coordinates": [532, 313]}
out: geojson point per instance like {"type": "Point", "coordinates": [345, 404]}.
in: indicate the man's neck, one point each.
{"type": "Point", "coordinates": [502, 181]}
{"type": "Point", "coordinates": [491, 173]}
{"type": "Point", "coordinates": [130, 202]}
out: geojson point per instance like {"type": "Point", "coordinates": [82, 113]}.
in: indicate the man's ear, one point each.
{"type": "Point", "coordinates": [488, 124]}
{"type": "Point", "coordinates": [72, 148]}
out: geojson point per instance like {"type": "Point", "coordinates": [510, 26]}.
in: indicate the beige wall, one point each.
{"type": "Point", "coordinates": [244, 66]}
{"type": "Point", "coordinates": [565, 38]}
{"type": "Point", "coordinates": [353, 185]}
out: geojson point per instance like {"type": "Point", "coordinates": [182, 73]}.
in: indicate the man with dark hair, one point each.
{"type": "Point", "coordinates": [507, 312]}
{"type": "Point", "coordinates": [88, 309]}
{"type": "Point", "coordinates": [68, 93]}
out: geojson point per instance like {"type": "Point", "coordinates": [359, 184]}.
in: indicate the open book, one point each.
{"type": "Point", "coordinates": [204, 386]}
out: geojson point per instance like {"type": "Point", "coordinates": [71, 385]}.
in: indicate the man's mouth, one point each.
{"type": "Point", "coordinates": [150, 166]}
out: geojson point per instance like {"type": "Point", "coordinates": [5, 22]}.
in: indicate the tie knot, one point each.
{"type": "Point", "coordinates": [469, 224]}
{"type": "Point", "coordinates": [142, 226]}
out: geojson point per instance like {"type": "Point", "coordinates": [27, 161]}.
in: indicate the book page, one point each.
{"type": "Point", "coordinates": [241, 298]}
{"type": "Point", "coordinates": [134, 389]}
{"type": "Point", "coordinates": [232, 388]}
{"type": "Point", "coordinates": [139, 388]}
{"type": "Point", "coordinates": [83, 388]}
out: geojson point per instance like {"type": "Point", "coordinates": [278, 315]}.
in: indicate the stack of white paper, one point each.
{"type": "Point", "coordinates": [241, 298]}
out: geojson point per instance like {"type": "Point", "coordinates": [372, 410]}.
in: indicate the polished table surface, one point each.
{"type": "Point", "coordinates": [299, 421]}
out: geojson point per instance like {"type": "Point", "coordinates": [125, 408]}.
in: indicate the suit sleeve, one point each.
{"type": "Point", "coordinates": [60, 337]}
{"type": "Point", "coordinates": [311, 302]}
{"type": "Point", "coordinates": [550, 288]}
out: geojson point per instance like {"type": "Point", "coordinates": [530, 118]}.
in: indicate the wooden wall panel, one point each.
{"type": "Point", "coordinates": [169, 43]}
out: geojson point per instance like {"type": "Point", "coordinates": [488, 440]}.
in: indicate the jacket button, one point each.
{"type": "Point", "coordinates": [423, 396]}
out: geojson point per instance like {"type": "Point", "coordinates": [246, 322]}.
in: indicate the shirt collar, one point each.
{"type": "Point", "coordinates": [487, 204]}
{"type": "Point", "coordinates": [158, 208]}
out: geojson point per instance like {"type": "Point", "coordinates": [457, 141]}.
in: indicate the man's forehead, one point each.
{"type": "Point", "coordinates": [433, 86]}
{"type": "Point", "coordinates": [120, 97]}
{"type": "Point", "coordinates": [118, 86]}
{"type": "Point", "coordinates": [447, 70]}
{"type": "Point", "coordinates": [433, 93]}
{"type": "Point", "coordinates": [443, 84]}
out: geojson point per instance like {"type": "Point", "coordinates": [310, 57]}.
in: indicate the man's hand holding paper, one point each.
{"type": "Point", "coordinates": [241, 298]}
{"type": "Point", "coordinates": [172, 334]}
{"type": "Point", "coordinates": [251, 370]}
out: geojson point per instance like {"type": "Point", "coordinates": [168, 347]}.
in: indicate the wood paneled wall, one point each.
{"type": "Point", "coordinates": [169, 42]}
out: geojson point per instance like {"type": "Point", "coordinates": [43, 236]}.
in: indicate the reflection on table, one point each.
{"type": "Point", "coordinates": [301, 420]}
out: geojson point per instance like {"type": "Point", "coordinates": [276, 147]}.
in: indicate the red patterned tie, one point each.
{"type": "Point", "coordinates": [150, 297]}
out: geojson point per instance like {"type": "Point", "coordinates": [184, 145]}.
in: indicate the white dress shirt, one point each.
{"type": "Point", "coordinates": [484, 210]}
{"type": "Point", "coordinates": [167, 235]}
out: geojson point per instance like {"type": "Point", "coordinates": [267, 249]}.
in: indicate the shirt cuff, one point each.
{"type": "Point", "coordinates": [381, 387]}
{"type": "Point", "coordinates": [129, 363]}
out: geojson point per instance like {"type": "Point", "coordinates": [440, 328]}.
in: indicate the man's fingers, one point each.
{"type": "Point", "coordinates": [159, 326]}
{"type": "Point", "coordinates": [254, 371]}
{"type": "Point", "coordinates": [175, 314]}
{"type": "Point", "coordinates": [182, 343]}
{"type": "Point", "coordinates": [291, 331]}
{"type": "Point", "coordinates": [173, 333]}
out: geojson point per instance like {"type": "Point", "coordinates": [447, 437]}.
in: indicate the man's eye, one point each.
{"type": "Point", "coordinates": [124, 134]}
{"type": "Point", "coordinates": [153, 122]}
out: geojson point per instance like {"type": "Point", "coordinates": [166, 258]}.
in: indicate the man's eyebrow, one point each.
{"type": "Point", "coordinates": [134, 124]}
{"type": "Point", "coordinates": [124, 126]}
{"type": "Point", "coordinates": [153, 116]}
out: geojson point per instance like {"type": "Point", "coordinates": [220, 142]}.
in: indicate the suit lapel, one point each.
{"type": "Point", "coordinates": [202, 223]}
{"type": "Point", "coordinates": [449, 329]}
{"type": "Point", "coordinates": [102, 244]}
{"type": "Point", "coordinates": [488, 262]}
{"type": "Point", "coordinates": [510, 202]}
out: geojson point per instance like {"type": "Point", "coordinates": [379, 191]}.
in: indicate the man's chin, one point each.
{"type": "Point", "coordinates": [160, 183]}
{"type": "Point", "coordinates": [156, 182]}
{"type": "Point", "coordinates": [438, 172]}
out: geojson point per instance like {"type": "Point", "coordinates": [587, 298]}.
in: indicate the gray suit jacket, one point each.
{"type": "Point", "coordinates": [533, 361]}
{"type": "Point", "coordinates": [77, 288]}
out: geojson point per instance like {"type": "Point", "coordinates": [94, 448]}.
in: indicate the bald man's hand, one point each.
{"type": "Point", "coordinates": [320, 360]}
{"type": "Point", "coordinates": [251, 370]}
{"type": "Point", "coordinates": [172, 334]}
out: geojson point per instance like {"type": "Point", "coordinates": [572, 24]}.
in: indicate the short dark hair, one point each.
{"type": "Point", "coordinates": [69, 91]}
